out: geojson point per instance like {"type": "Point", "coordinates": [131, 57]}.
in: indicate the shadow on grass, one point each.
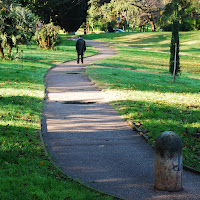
{"type": "Point", "coordinates": [133, 80]}
{"type": "Point", "coordinates": [135, 37]}
{"type": "Point", "coordinates": [192, 52]}
{"type": "Point", "coordinates": [29, 74]}
{"type": "Point", "coordinates": [139, 64]}
{"type": "Point", "coordinates": [156, 118]}
{"type": "Point", "coordinates": [20, 110]}
{"type": "Point", "coordinates": [18, 142]}
{"type": "Point", "coordinates": [23, 63]}
{"type": "Point", "coordinates": [159, 116]}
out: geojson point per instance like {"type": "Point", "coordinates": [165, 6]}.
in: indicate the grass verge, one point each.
{"type": "Point", "coordinates": [139, 87]}
{"type": "Point", "coordinates": [25, 170]}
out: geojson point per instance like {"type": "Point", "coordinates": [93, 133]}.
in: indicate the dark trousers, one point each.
{"type": "Point", "coordinates": [79, 58]}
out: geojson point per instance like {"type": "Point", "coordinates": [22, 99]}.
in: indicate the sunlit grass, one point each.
{"type": "Point", "coordinates": [154, 40]}
{"type": "Point", "coordinates": [156, 62]}
{"type": "Point", "coordinates": [25, 170]}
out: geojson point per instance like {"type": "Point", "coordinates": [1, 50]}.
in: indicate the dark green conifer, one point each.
{"type": "Point", "coordinates": [175, 41]}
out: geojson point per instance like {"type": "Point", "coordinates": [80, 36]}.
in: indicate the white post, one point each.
{"type": "Point", "coordinates": [174, 74]}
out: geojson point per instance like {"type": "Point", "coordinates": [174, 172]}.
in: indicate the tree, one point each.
{"type": "Point", "coordinates": [68, 14]}
{"type": "Point", "coordinates": [17, 27]}
{"type": "Point", "coordinates": [102, 13]}
{"type": "Point", "coordinates": [150, 9]}
{"type": "Point", "coordinates": [126, 11]}
{"type": "Point", "coordinates": [174, 49]}
{"type": "Point", "coordinates": [106, 13]}
{"type": "Point", "coordinates": [94, 13]}
{"type": "Point", "coordinates": [188, 15]}
{"type": "Point", "coordinates": [140, 11]}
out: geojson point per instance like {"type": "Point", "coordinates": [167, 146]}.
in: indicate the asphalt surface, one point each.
{"type": "Point", "coordinates": [90, 142]}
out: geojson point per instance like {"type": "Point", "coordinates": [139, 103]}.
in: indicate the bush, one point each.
{"type": "Point", "coordinates": [17, 27]}
{"type": "Point", "coordinates": [47, 36]}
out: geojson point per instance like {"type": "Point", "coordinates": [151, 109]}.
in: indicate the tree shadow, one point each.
{"type": "Point", "coordinates": [26, 103]}
{"type": "Point", "coordinates": [154, 118]}
{"type": "Point", "coordinates": [18, 142]}
{"type": "Point", "coordinates": [118, 78]}
{"type": "Point", "coordinates": [158, 117]}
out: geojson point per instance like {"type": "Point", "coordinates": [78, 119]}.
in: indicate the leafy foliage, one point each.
{"type": "Point", "coordinates": [140, 12]}
{"type": "Point", "coordinates": [25, 171]}
{"type": "Point", "coordinates": [67, 14]}
{"type": "Point", "coordinates": [17, 26]}
{"type": "Point", "coordinates": [47, 36]}
{"type": "Point", "coordinates": [143, 12]}
{"type": "Point", "coordinates": [188, 15]}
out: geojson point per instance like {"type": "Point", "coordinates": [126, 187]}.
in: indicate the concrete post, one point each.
{"type": "Point", "coordinates": [168, 162]}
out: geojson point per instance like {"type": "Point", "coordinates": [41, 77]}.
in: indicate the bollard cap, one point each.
{"type": "Point", "coordinates": [168, 143]}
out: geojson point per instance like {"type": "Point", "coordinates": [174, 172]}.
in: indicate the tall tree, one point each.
{"type": "Point", "coordinates": [108, 13]}
{"type": "Point", "coordinates": [69, 14]}
{"type": "Point", "coordinates": [150, 8]}
{"type": "Point", "coordinates": [142, 11]}
{"type": "Point", "coordinates": [188, 15]}
{"type": "Point", "coordinates": [174, 49]}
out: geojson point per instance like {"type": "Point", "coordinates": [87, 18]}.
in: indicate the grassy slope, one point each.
{"type": "Point", "coordinates": [189, 41]}
{"type": "Point", "coordinates": [138, 85]}
{"type": "Point", "coordinates": [25, 171]}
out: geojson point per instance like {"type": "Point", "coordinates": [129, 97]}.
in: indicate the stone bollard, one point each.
{"type": "Point", "coordinates": [168, 162]}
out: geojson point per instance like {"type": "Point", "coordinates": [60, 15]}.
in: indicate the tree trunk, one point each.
{"type": "Point", "coordinates": [133, 27]}
{"type": "Point", "coordinates": [9, 52]}
{"type": "Point", "coordinates": [175, 42]}
{"type": "Point", "coordinates": [92, 27]}
{"type": "Point", "coordinates": [153, 28]}
{"type": "Point", "coordinates": [2, 53]}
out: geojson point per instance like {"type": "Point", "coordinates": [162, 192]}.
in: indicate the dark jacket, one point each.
{"type": "Point", "coordinates": [80, 46]}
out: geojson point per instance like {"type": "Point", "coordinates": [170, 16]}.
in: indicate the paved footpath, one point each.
{"type": "Point", "coordinates": [90, 142]}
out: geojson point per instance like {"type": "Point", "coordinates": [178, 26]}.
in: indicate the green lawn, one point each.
{"type": "Point", "coordinates": [138, 85]}
{"type": "Point", "coordinates": [25, 170]}
{"type": "Point", "coordinates": [189, 41]}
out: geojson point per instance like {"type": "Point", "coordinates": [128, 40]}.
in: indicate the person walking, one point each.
{"type": "Point", "coordinates": [80, 48]}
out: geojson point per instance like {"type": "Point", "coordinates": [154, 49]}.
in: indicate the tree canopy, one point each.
{"type": "Point", "coordinates": [17, 26]}
{"type": "Point", "coordinates": [68, 14]}
{"type": "Point", "coordinates": [158, 13]}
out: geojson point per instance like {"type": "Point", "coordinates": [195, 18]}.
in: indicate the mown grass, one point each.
{"type": "Point", "coordinates": [150, 61]}
{"type": "Point", "coordinates": [25, 170]}
{"type": "Point", "coordinates": [138, 85]}
{"type": "Point", "coordinates": [189, 41]}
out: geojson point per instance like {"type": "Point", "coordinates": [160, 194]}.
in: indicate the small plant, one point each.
{"type": "Point", "coordinates": [47, 36]}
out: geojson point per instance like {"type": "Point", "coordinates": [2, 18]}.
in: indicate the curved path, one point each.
{"type": "Point", "coordinates": [89, 141]}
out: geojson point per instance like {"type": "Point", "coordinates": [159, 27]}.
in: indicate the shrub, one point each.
{"type": "Point", "coordinates": [47, 36]}
{"type": "Point", "coordinates": [17, 27]}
